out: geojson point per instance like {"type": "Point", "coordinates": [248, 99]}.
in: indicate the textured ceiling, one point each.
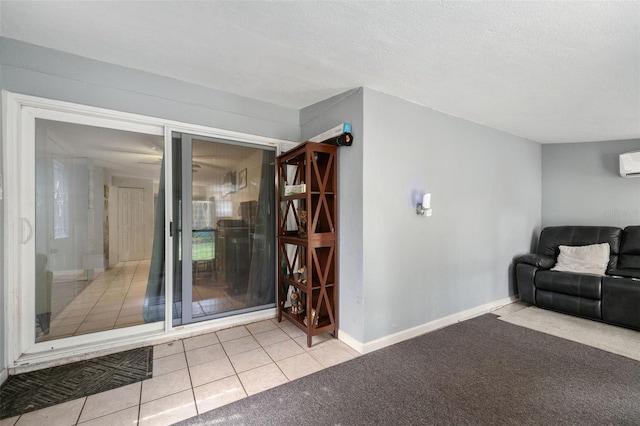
{"type": "Point", "coordinates": [547, 71]}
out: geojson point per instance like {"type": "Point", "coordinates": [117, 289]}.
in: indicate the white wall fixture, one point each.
{"type": "Point", "coordinates": [424, 208]}
{"type": "Point", "coordinates": [630, 164]}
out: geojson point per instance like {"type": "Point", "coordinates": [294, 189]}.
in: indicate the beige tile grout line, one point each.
{"type": "Point", "coordinates": [115, 324]}
{"type": "Point", "coordinates": [193, 389]}
{"type": "Point", "coordinates": [233, 366]}
{"type": "Point", "coordinates": [237, 374]}
{"type": "Point", "coordinates": [140, 401]}
{"type": "Point", "coordinates": [81, 410]}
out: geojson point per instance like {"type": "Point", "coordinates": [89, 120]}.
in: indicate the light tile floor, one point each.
{"type": "Point", "coordinates": [115, 298]}
{"type": "Point", "coordinates": [510, 308]}
{"type": "Point", "coordinates": [198, 374]}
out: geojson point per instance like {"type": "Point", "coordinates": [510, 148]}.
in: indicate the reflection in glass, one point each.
{"type": "Point", "coordinates": [95, 195]}
{"type": "Point", "coordinates": [60, 201]}
{"type": "Point", "coordinates": [231, 234]}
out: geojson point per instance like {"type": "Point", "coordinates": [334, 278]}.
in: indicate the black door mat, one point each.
{"type": "Point", "coordinates": [32, 391]}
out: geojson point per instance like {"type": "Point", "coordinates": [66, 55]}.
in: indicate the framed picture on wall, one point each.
{"type": "Point", "coordinates": [242, 179]}
{"type": "Point", "coordinates": [229, 182]}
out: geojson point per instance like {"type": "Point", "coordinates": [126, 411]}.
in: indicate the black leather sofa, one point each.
{"type": "Point", "coordinates": [613, 298]}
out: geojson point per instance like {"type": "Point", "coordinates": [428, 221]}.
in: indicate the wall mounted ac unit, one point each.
{"type": "Point", "coordinates": [630, 164]}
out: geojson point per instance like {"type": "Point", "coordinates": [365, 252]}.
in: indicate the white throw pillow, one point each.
{"type": "Point", "coordinates": [592, 259]}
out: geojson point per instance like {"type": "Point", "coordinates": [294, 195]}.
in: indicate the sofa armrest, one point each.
{"type": "Point", "coordinates": [525, 277]}
{"type": "Point", "coordinates": [538, 260]}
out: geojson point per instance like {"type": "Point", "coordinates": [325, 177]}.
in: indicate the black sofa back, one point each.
{"type": "Point", "coordinates": [554, 236]}
{"type": "Point", "coordinates": [630, 248]}
{"type": "Point", "coordinates": [629, 257]}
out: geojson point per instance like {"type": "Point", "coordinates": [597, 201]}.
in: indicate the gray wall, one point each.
{"type": "Point", "coordinates": [2, 257]}
{"type": "Point", "coordinates": [397, 270]}
{"type": "Point", "coordinates": [581, 185]}
{"type": "Point", "coordinates": [48, 73]}
{"type": "Point", "coordinates": [314, 120]}
{"type": "Point", "coordinates": [486, 194]}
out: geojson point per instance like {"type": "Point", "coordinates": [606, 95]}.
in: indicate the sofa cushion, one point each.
{"type": "Point", "coordinates": [628, 261]}
{"type": "Point", "coordinates": [588, 286]}
{"type": "Point", "coordinates": [589, 308]}
{"type": "Point", "coordinates": [620, 298]}
{"type": "Point", "coordinates": [553, 237]}
{"type": "Point", "coordinates": [626, 273]}
{"type": "Point", "coordinates": [630, 248]}
{"type": "Point", "coordinates": [591, 259]}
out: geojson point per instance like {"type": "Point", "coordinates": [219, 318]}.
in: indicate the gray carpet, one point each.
{"type": "Point", "coordinates": [32, 391]}
{"type": "Point", "coordinates": [481, 371]}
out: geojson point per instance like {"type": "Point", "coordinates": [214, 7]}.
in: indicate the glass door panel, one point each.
{"type": "Point", "coordinates": [95, 209]}
{"type": "Point", "coordinates": [225, 226]}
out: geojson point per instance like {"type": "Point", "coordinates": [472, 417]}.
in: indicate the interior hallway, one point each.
{"type": "Point", "coordinates": [115, 298]}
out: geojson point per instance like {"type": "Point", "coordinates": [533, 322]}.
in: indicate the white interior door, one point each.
{"type": "Point", "coordinates": [131, 223]}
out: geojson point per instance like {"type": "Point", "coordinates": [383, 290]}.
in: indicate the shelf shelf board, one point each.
{"type": "Point", "coordinates": [304, 195]}
{"type": "Point", "coordinates": [294, 197]}
{"type": "Point", "coordinates": [288, 279]}
{"type": "Point", "coordinates": [314, 239]}
{"type": "Point", "coordinates": [324, 325]}
{"type": "Point", "coordinates": [298, 154]}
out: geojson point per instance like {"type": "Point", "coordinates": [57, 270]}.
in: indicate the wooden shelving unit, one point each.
{"type": "Point", "coordinates": [309, 251]}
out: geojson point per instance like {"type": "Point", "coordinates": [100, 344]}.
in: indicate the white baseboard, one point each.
{"type": "Point", "coordinates": [424, 328]}
{"type": "Point", "coordinates": [355, 344]}
{"type": "Point", "coordinates": [64, 355]}
{"type": "Point", "coordinates": [77, 272]}
{"type": "Point", "coordinates": [4, 375]}
{"type": "Point", "coordinates": [57, 274]}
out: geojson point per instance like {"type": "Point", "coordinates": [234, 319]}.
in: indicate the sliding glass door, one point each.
{"type": "Point", "coordinates": [224, 227]}
{"type": "Point", "coordinates": [117, 223]}
{"type": "Point", "coordinates": [95, 190]}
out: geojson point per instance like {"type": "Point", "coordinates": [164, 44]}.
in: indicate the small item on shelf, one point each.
{"type": "Point", "coordinates": [296, 304]}
{"type": "Point", "coordinates": [294, 189]}
{"type": "Point", "coordinates": [303, 275]}
{"type": "Point", "coordinates": [302, 227]}
{"type": "Point", "coordinates": [314, 318]}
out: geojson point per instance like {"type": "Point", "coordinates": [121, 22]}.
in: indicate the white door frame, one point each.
{"type": "Point", "coordinates": [19, 114]}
